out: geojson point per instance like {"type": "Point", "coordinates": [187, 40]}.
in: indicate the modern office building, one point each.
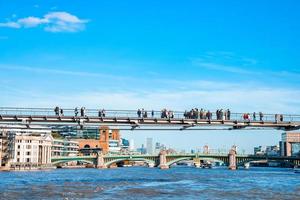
{"type": "Point", "coordinates": [149, 145]}
{"type": "Point", "coordinates": [64, 147]}
{"type": "Point", "coordinates": [142, 149]}
{"type": "Point", "coordinates": [125, 144]}
{"type": "Point", "coordinates": [273, 150]}
{"type": "Point", "coordinates": [158, 148]}
{"type": "Point", "coordinates": [259, 151]}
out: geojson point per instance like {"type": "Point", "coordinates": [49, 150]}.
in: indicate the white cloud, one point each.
{"type": "Point", "coordinates": [61, 72]}
{"type": "Point", "coordinates": [243, 70]}
{"type": "Point", "coordinates": [52, 22]}
{"type": "Point", "coordinates": [224, 68]}
{"type": "Point", "coordinates": [64, 22]}
{"type": "Point", "coordinates": [32, 21]}
{"type": "Point", "coordinates": [10, 25]}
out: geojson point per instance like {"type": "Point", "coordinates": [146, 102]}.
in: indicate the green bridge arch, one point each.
{"type": "Point", "coordinates": [171, 162]}
{"type": "Point", "coordinates": [66, 161]}
{"type": "Point", "coordinates": [148, 161]}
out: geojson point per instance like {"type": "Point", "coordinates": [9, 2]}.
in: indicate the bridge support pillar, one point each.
{"type": "Point", "coordinates": [232, 159]}
{"type": "Point", "coordinates": [100, 161]}
{"type": "Point", "coordinates": [163, 160]}
{"type": "Point", "coordinates": [197, 162]}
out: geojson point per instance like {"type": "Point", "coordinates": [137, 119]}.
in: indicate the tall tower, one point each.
{"type": "Point", "coordinates": [149, 146]}
{"type": "Point", "coordinates": [104, 138]}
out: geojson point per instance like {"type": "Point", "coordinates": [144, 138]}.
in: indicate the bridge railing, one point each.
{"type": "Point", "coordinates": [132, 114]}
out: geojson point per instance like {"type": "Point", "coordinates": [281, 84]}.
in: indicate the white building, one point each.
{"type": "Point", "coordinates": [33, 149]}
{"type": "Point", "coordinates": [64, 147]}
{"type": "Point", "coordinates": [114, 146]}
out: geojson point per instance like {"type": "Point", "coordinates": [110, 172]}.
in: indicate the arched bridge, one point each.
{"type": "Point", "coordinates": [166, 160]}
{"type": "Point", "coordinates": [46, 118]}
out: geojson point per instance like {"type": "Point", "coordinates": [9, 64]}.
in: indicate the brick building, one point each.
{"type": "Point", "coordinates": [290, 144]}
{"type": "Point", "coordinates": [109, 140]}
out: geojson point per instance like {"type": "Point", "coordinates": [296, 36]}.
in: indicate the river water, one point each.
{"type": "Point", "coordinates": [151, 183]}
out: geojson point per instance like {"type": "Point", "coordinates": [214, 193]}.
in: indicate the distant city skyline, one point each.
{"type": "Point", "coordinates": [118, 55]}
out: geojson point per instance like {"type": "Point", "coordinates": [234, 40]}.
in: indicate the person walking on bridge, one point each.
{"type": "Point", "coordinates": [201, 113]}
{"type": "Point", "coordinates": [209, 115]}
{"type": "Point", "coordinates": [82, 111]}
{"type": "Point", "coordinates": [228, 114]}
{"type": "Point", "coordinates": [261, 116]}
{"type": "Point", "coordinates": [185, 114]}
{"type": "Point", "coordinates": [56, 110]}
{"type": "Point", "coordinates": [103, 113]}
{"type": "Point", "coordinates": [218, 114]}
{"type": "Point", "coordinates": [76, 112]}
{"type": "Point", "coordinates": [254, 116]}
{"type": "Point", "coordinates": [139, 112]}
{"type": "Point", "coordinates": [145, 114]}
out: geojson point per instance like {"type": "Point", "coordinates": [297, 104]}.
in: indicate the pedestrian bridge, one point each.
{"type": "Point", "coordinates": [45, 118]}
{"type": "Point", "coordinates": [166, 160]}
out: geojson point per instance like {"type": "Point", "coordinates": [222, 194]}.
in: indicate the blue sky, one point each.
{"type": "Point", "coordinates": [242, 55]}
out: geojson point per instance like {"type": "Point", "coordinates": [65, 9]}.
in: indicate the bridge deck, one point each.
{"type": "Point", "coordinates": [28, 120]}
{"type": "Point", "coordinates": [31, 117]}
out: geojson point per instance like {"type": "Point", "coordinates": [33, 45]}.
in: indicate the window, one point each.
{"type": "Point", "coordinates": [18, 159]}
{"type": "Point", "coordinates": [19, 146]}
{"type": "Point", "coordinates": [28, 160]}
{"type": "Point", "coordinates": [18, 153]}
{"type": "Point", "coordinates": [295, 149]}
{"type": "Point", "coordinates": [28, 153]}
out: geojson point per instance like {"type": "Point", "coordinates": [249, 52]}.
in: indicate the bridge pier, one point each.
{"type": "Point", "coordinates": [163, 160]}
{"type": "Point", "coordinates": [100, 161]}
{"type": "Point", "coordinates": [232, 159]}
{"type": "Point", "coordinates": [197, 162]}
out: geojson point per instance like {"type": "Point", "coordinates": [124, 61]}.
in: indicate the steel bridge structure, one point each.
{"type": "Point", "coordinates": [45, 119]}
{"type": "Point", "coordinates": [154, 160]}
